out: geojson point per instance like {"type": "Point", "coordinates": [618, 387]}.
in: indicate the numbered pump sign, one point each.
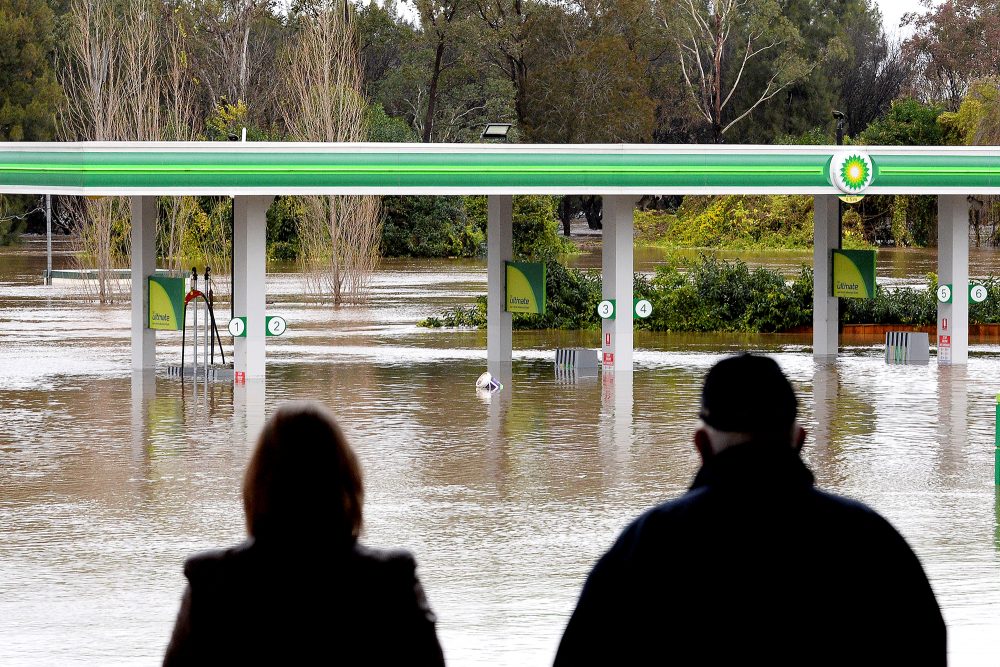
{"type": "Point", "coordinates": [238, 327]}
{"type": "Point", "coordinates": [607, 309]}
{"type": "Point", "coordinates": [275, 326]}
{"type": "Point", "coordinates": [977, 293]}
{"type": "Point", "coordinates": [643, 308]}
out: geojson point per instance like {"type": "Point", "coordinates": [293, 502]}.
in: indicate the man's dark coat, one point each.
{"type": "Point", "coordinates": [755, 566]}
{"type": "Point", "coordinates": [303, 604]}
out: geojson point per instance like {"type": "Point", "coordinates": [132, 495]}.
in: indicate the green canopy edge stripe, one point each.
{"type": "Point", "coordinates": [407, 169]}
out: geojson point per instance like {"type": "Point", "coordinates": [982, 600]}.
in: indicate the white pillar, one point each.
{"type": "Point", "coordinates": [616, 263]}
{"type": "Point", "coordinates": [953, 269]}
{"type": "Point", "coordinates": [826, 237]}
{"type": "Point", "coordinates": [499, 249]}
{"type": "Point", "coordinates": [143, 266]}
{"type": "Point", "coordinates": [249, 267]}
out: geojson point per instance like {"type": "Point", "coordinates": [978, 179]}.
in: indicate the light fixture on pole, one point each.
{"type": "Point", "coordinates": [497, 131]}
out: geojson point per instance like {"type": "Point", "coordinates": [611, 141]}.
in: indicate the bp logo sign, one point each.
{"type": "Point", "coordinates": [851, 172]}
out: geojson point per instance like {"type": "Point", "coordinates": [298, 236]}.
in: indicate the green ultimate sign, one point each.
{"type": "Point", "coordinates": [525, 287]}
{"type": "Point", "coordinates": [854, 274]}
{"type": "Point", "coordinates": [166, 303]}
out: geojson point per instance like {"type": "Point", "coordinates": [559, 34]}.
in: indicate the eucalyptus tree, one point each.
{"type": "Point", "coordinates": [719, 41]}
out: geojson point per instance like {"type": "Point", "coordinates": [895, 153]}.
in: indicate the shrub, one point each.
{"type": "Point", "coordinates": [429, 226]}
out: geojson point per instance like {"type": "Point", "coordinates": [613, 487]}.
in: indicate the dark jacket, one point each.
{"type": "Point", "coordinates": [754, 566]}
{"type": "Point", "coordinates": [255, 604]}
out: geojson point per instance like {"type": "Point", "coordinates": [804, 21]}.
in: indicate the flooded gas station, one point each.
{"type": "Point", "coordinates": [111, 480]}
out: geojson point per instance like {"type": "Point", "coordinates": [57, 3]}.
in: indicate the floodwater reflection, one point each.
{"type": "Point", "coordinates": [109, 480]}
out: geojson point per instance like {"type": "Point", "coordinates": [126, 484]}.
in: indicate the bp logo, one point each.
{"type": "Point", "coordinates": [851, 172]}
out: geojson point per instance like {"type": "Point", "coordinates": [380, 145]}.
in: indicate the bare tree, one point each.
{"type": "Point", "coordinates": [183, 123]}
{"type": "Point", "coordinates": [110, 78]}
{"type": "Point", "coordinates": [339, 234]}
{"type": "Point", "coordinates": [717, 41]}
{"type": "Point", "coordinates": [872, 79]}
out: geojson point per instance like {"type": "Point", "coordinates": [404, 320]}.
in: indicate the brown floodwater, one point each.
{"type": "Point", "coordinates": [108, 482]}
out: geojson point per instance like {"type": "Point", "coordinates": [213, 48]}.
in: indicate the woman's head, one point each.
{"type": "Point", "coordinates": [303, 476]}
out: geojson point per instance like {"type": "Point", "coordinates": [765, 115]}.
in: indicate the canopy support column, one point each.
{"type": "Point", "coordinates": [499, 249]}
{"type": "Point", "coordinates": [143, 265]}
{"type": "Point", "coordinates": [826, 309]}
{"type": "Point", "coordinates": [953, 269]}
{"type": "Point", "coordinates": [616, 266]}
{"type": "Point", "coordinates": [250, 273]}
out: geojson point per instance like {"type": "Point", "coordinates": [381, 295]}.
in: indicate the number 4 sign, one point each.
{"type": "Point", "coordinates": [643, 308]}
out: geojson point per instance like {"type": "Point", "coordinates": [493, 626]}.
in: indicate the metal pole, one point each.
{"type": "Point", "coordinates": [232, 258]}
{"type": "Point", "coordinates": [207, 319]}
{"type": "Point", "coordinates": [194, 286]}
{"type": "Point", "coordinates": [48, 242]}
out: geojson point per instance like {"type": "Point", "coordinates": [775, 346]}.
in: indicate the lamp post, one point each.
{"type": "Point", "coordinates": [232, 246]}
{"type": "Point", "coordinates": [841, 119]}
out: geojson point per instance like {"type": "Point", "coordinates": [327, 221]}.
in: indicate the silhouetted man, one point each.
{"type": "Point", "coordinates": [754, 565]}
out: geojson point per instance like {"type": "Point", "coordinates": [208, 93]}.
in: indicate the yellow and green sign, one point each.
{"type": "Point", "coordinates": [525, 287]}
{"type": "Point", "coordinates": [854, 274]}
{"type": "Point", "coordinates": [166, 303]}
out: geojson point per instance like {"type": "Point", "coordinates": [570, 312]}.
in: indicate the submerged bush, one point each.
{"type": "Point", "coordinates": [709, 294]}
{"type": "Point", "coordinates": [571, 298]}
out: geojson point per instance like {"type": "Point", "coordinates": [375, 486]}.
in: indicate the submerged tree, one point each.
{"type": "Point", "coordinates": [110, 76]}
{"type": "Point", "coordinates": [339, 234]}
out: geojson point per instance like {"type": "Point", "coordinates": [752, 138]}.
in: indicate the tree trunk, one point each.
{"type": "Point", "coordinates": [593, 209]}
{"type": "Point", "coordinates": [565, 214]}
{"type": "Point", "coordinates": [432, 93]}
{"type": "Point", "coordinates": [717, 83]}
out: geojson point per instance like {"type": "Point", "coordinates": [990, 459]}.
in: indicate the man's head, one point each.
{"type": "Point", "coordinates": [746, 398]}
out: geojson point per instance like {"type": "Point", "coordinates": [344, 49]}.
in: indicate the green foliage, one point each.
{"type": "Point", "coordinates": [535, 225]}
{"type": "Point", "coordinates": [571, 298]}
{"type": "Point", "coordinates": [283, 217]}
{"type": "Point", "coordinates": [817, 136]}
{"type": "Point", "coordinates": [11, 226]}
{"type": "Point", "coordinates": [735, 221]}
{"type": "Point", "coordinates": [714, 295]}
{"type": "Point", "coordinates": [228, 120]}
{"type": "Point", "coordinates": [977, 121]}
{"type": "Point", "coordinates": [429, 226]}
{"type": "Point", "coordinates": [892, 306]}
{"type": "Point", "coordinates": [709, 294]}
{"type": "Point", "coordinates": [29, 94]}
{"type": "Point", "coordinates": [383, 127]}
{"type": "Point", "coordinates": [908, 123]}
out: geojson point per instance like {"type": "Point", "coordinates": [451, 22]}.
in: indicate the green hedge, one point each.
{"type": "Point", "coordinates": [709, 294]}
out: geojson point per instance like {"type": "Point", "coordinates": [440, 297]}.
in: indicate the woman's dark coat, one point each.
{"type": "Point", "coordinates": [305, 604]}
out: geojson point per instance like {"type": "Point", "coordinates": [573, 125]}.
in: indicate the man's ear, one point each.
{"type": "Point", "coordinates": [800, 438]}
{"type": "Point", "coordinates": [703, 444]}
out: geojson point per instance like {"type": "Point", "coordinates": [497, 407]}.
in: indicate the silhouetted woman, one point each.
{"type": "Point", "coordinates": [301, 590]}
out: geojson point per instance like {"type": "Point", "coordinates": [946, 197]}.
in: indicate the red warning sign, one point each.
{"type": "Point", "coordinates": [609, 358]}
{"type": "Point", "coordinates": [239, 377]}
{"type": "Point", "coordinates": [944, 340]}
